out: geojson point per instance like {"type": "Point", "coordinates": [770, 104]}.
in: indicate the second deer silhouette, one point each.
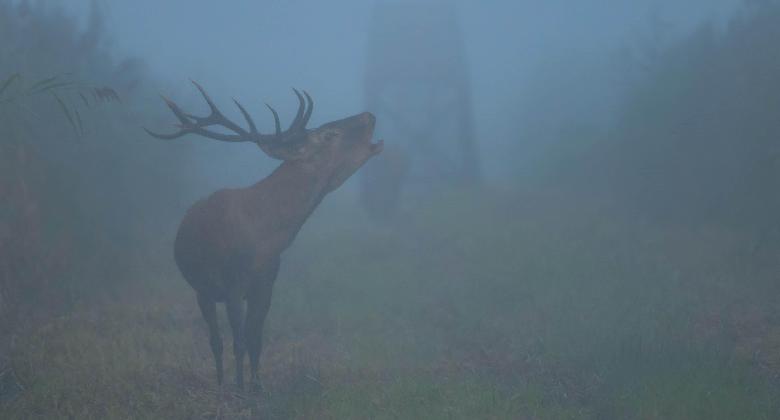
{"type": "Point", "coordinates": [228, 245]}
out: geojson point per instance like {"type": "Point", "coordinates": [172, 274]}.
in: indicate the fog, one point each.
{"type": "Point", "coordinates": [256, 50]}
{"type": "Point", "coordinates": [572, 214]}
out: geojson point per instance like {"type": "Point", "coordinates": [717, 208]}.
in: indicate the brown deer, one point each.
{"type": "Point", "coordinates": [228, 245]}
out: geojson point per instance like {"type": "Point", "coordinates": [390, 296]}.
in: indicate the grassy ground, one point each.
{"type": "Point", "coordinates": [475, 305]}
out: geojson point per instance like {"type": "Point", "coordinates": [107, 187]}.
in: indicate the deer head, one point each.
{"type": "Point", "coordinates": [334, 150]}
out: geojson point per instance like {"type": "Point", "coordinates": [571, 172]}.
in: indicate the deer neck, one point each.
{"type": "Point", "coordinates": [294, 189]}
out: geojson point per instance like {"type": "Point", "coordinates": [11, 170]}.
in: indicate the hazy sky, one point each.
{"type": "Point", "coordinates": [321, 44]}
{"type": "Point", "coordinates": [256, 50]}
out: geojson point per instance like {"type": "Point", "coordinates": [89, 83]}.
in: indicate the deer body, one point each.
{"type": "Point", "coordinates": [228, 245]}
{"type": "Point", "coordinates": [244, 229]}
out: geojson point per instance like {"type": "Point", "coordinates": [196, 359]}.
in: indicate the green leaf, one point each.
{"type": "Point", "coordinates": [8, 82]}
{"type": "Point", "coordinates": [50, 87]}
{"type": "Point", "coordinates": [42, 83]}
{"type": "Point", "coordinates": [78, 120]}
{"type": "Point", "coordinates": [66, 111]}
{"type": "Point", "coordinates": [84, 99]}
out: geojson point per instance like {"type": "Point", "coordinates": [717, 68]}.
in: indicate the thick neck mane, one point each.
{"type": "Point", "coordinates": [261, 220]}
{"type": "Point", "coordinates": [291, 192]}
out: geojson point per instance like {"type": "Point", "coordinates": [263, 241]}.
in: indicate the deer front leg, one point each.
{"type": "Point", "coordinates": [235, 311]}
{"type": "Point", "coordinates": [258, 304]}
{"type": "Point", "coordinates": [208, 308]}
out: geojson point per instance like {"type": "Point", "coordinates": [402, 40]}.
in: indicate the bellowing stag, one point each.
{"type": "Point", "coordinates": [228, 245]}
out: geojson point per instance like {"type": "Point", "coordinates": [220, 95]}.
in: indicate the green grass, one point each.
{"type": "Point", "coordinates": [477, 305]}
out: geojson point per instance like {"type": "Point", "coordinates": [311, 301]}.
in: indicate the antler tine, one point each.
{"type": "Point", "coordinates": [309, 109]}
{"type": "Point", "coordinates": [252, 128]}
{"type": "Point", "coordinates": [214, 111]}
{"type": "Point", "coordinates": [301, 109]}
{"type": "Point", "coordinates": [192, 129]}
{"type": "Point", "coordinates": [212, 106]}
{"type": "Point", "coordinates": [216, 117]}
{"type": "Point", "coordinates": [193, 124]}
{"type": "Point", "coordinates": [183, 118]}
{"type": "Point", "coordinates": [164, 136]}
{"type": "Point", "coordinates": [277, 123]}
{"type": "Point", "coordinates": [181, 115]}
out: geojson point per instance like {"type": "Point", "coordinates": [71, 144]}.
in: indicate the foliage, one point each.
{"type": "Point", "coordinates": [69, 168]}
{"type": "Point", "coordinates": [700, 134]}
{"type": "Point", "coordinates": [13, 94]}
{"type": "Point", "coordinates": [695, 136]}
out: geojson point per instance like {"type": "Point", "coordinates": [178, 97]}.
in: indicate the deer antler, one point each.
{"type": "Point", "coordinates": [272, 144]}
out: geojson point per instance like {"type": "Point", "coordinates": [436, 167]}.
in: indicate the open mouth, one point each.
{"type": "Point", "coordinates": [376, 148]}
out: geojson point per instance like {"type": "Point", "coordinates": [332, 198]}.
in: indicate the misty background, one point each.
{"type": "Point", "coordinates": [618, 258]}
{"type": "Point", "coordinates": [521, 55]}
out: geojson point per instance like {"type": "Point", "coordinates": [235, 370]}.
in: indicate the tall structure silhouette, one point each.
{"type": "Point", "coordinates": [417, 83]}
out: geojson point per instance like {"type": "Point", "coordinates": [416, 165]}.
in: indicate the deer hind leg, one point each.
{"type": "Point", "coordinates": [235, 311]}
{"type": "Point", "coordinates": [259, 302]}
{"type": "Point", "coordinates": [208, 308]}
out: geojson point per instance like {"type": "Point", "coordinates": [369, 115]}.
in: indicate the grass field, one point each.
{"type": "Point", "coordinates": [526, 305]}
